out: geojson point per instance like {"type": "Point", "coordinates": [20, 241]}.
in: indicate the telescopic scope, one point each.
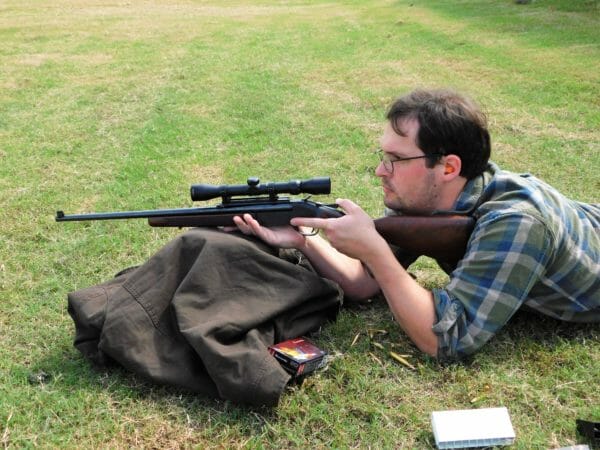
{"type": "Point", "coordinates": [318, 185]}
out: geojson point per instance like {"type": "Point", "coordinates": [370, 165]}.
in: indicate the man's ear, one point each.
{"type": "Point", "coordinates": [452, 165]}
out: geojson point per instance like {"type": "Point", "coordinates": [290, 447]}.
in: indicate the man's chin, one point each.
{"type": "Point", "coordinates": [407, 211]}
{"type": "Point", "coordinates": [394, 205]}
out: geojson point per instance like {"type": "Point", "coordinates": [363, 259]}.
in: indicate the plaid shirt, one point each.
{"type": "Point", "coordinates": [531, 247]}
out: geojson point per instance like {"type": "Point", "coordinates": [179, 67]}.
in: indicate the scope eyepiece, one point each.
{"type": "Point", "coordinates": [318, 185]}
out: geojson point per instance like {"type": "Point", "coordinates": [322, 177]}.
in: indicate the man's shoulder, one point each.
{"type": "Point", "coordinates": [512, 193]}
{"type": "Point", "coordinates": [509, 198]}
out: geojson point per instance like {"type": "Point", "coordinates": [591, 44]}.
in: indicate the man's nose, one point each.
{"type": "Point", "coordinates": [381, 171]}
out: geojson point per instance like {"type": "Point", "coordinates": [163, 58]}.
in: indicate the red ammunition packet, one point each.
{"type": "Point", "coordinates": [298, 356]}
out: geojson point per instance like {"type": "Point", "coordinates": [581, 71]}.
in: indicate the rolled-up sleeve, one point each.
{"type": "Point", "coordinates": [507, 254]}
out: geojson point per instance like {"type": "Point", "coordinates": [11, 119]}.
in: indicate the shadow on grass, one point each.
{"type": "Point", "coordinates": [527, 328]}
{"type": "Point", "coordinates": [67, 373]}
{"type": "Point", "coordinates": [570, 351]}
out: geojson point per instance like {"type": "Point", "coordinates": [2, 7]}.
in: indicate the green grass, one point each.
{"type": "Point", "coordinates": [123, 105]}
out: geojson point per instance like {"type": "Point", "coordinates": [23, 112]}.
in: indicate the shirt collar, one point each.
{"type": "Point", "coordinates": [471, 196]}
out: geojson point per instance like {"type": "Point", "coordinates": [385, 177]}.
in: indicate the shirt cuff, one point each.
{"type": "Point", "coordinates": [450, 314]}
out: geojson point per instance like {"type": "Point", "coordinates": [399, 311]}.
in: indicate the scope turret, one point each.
{"type": "Point", "coordinates": [318, 185]}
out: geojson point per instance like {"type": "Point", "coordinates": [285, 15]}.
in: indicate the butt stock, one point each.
{"type": "Point", "coordinates": [442, 237]}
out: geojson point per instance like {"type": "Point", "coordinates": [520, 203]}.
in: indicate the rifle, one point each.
{"type": "Point", "coordinates": [443, 237]}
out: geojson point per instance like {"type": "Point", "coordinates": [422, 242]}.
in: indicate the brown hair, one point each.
{"type": "Point", "coordinates": [449, 123]}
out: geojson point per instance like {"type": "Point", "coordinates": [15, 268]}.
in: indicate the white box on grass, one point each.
{"type": "Point", "coordinates": [472, 428]}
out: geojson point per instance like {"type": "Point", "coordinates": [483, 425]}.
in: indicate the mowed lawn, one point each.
{"type": "Point", "coordinates": [121, 105]}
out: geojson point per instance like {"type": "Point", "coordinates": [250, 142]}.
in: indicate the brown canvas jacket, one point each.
{"type": "Point", "coordinates": [201, 312]}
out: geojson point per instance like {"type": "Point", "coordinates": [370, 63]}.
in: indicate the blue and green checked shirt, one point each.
{"type": "Point", "coordinates": [531, 247]}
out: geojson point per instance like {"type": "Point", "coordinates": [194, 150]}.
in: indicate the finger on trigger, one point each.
{"type": "Point", "coordinates": [308, 222]}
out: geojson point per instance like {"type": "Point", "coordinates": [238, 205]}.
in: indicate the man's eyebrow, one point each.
{"type": "Point", "coordinates": [399, 153]}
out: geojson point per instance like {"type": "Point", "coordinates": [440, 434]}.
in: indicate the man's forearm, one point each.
{"type": "Point", "coordinates": [348, 272]}
{"type": "Point", "coordinates": [410, 303]}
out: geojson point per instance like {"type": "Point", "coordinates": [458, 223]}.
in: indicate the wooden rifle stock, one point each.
{"type": "Point", "coordinates": [442, 237]}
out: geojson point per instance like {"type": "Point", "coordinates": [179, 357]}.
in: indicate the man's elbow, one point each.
{"type": "Point", "coordinates": [426, 342]}
{"type": "Point", "coordinates": [429, 348]}
{"type": "Point", "coordinates": [360, 292]}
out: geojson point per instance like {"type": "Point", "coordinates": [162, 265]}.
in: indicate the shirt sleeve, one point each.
{"type": "Point", "coordinates": [506, 255]}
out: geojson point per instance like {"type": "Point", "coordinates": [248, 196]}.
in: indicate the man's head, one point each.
{"type": "Point", "coordinates": [449, 123]}
{"type": "Point", "coordinates": [434, 142]}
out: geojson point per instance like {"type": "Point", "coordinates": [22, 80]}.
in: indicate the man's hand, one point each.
{"type": "Point", "coordinates": [353, 234]}
{"type": "Point", "coordinates": [282, 237]}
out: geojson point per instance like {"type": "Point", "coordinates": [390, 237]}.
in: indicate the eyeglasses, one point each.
{"type": "Point", "coordinates": [388, 162]}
